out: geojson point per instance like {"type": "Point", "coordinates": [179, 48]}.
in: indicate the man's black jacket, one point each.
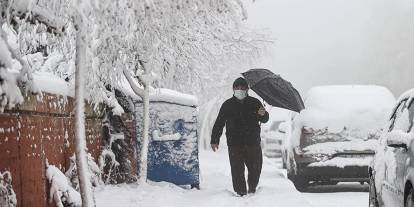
{"type": "Point", "coordinates": [242, 122]}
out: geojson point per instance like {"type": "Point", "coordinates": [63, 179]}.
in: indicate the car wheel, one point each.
{"type": "Point", "coordinates": [409, 200]}
{"type": "Point", "coordinates": [300, 183]}
{"type": "Point", "coordinates": [373, 200]}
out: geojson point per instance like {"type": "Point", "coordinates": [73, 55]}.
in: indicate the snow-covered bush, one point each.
{"type": "Point", "coordinates": [7, 195]}
{"type": "Point", "coordinates": [114, 161]}
{"type": "Point", "coordinates": [94, 172]}
{"type": "Point", "coordinates": [62, 193]}
{"type": "Point", "coordinates": [10, 94]}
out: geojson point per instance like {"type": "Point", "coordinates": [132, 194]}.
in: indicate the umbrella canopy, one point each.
{"type": "Point", "coordinates": [274, 89]}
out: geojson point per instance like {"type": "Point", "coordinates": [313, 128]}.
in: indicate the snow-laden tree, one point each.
{"type": "Point", "coordinates": [187, 44]}
{"type": "Point", "coordinates": [182, 45]}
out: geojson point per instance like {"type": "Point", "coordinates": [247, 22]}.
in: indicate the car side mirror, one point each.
{"type": "Point", "coordinates": [396, 143]}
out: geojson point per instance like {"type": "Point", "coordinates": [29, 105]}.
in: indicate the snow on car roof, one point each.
{"type": "Point", "coordinates": [363, 107]}
{"type": "Point", "coordinates": [407, 94]}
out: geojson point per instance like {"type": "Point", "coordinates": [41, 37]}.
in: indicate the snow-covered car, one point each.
{"type": "Point", "coordinates": [392, 171]}
{"type": "Point", "coordinates": [335, 136]}
{"type": "Point", "coordinates": [272, 140]}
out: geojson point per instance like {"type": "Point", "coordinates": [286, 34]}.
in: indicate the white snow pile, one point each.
{"type": "Point", "coordinates": [363, 107]}
{"type": "Point", "coordinates": [50, 83]}
{"type": "Point", "coordinates": [47, 82]}
{"type": "Point", "coordinates": [7, 195]}
{"type": "Point", "coordinates": [61, 191]}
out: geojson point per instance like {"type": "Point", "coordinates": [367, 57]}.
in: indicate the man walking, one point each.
{"type": "Point", "coordinates": [241, 115]}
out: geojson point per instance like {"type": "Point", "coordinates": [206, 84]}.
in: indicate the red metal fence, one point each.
{"type": "Point", "coordinates": [42, 129]}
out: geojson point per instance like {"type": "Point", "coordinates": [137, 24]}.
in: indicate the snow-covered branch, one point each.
{"type": "Point", "coordinates": [129, 76]}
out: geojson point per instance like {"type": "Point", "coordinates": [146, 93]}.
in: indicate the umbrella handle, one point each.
{"type": "Point", "coordinates": [264, 105]}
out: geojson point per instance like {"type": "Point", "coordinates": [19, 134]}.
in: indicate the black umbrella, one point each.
{"type": "Point", "coordinates": [274, 89]}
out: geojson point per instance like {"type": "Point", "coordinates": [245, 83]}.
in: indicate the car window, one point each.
{"type": "Point", "coordinates": [396, 120]}
{"type": "Point", "coordinates": [411, 117]}
{"type": "Point", "coordinates": [402, 120]}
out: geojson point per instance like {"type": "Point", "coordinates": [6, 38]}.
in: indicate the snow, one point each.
{"type": "Point", "coordinates": [50, 83]}
{"type": "Point", "coordinates": [343, 162]}
{"type": "Point", "coordinates": [156, 136]}
{"type": "Point", "coordinates": [106, 153]}
{"type": "Point", "coordinates": [8, 86]}
{"type": "Point", "coordinates": [11, 37]}
{"type": "Point", "coordinates": [171, 96]}
{"type": "Point", "coordinates": [94, 172]}
{"type": "Point", "coordinates": [343, 194]}
{"type": "Point", "coordinates": [216, 189]}
{"type": "Point", "coordinates": [5, 55]}
{"type": "Point", "coordinates": [330, 148]}
{"type": "Point", "coordinates": [407, 94]}
{"type": "Point", "coordinates": [364, 107]}
{"type": "Point", "coordinates": [61, 189]}
{"type": "Point", "coordinates": [7, 194]}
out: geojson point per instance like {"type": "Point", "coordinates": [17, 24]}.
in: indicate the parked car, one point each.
{"type": "Point", "coordinates": [392, 171]}
{"type": "Point", "coordinates": [334, 138]}
{"type": "Point", "coordinates": [285, 128]}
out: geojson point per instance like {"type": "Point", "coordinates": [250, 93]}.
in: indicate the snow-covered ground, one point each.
{"type": "Point", "coordinates": [216, 189]}
{"type": "Point", "coordinates": [341, 195]}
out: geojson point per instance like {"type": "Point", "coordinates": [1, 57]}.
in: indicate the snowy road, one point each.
{"type": "Point", "coordinates": [216, 190]}
{"type": "Point", "coordinates": [274, 190]}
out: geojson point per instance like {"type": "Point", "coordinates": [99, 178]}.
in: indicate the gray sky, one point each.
{"type": "Point", "coordinates": [320, 42]}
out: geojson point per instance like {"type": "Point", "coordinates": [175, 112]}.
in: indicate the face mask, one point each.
{"type": "Point", "coordinates": [240, 94]}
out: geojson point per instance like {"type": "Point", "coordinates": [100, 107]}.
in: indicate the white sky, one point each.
{"type": "Point", "coordinates": [320, 42]}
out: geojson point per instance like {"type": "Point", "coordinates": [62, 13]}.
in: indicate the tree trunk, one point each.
{"type": "Point", "coordinates": [80, 138]}
{"type": "Point", "coordinates": [145, 141]}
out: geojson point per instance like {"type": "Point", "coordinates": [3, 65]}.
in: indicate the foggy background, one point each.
{"type": "Point", "coordinates": [320, 42]}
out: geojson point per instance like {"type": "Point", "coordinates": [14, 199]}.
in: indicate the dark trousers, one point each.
{"type": "Point", "coordinates": [251, 157]}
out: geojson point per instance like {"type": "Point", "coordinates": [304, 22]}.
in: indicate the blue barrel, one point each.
{"type": "Point", "coordinates": [173, 146]}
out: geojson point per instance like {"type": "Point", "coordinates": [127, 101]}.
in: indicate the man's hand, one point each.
{"type": "Point", "coordinates": [262, 111]}
{"type": "Point", "coordinates": [214, 147]}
